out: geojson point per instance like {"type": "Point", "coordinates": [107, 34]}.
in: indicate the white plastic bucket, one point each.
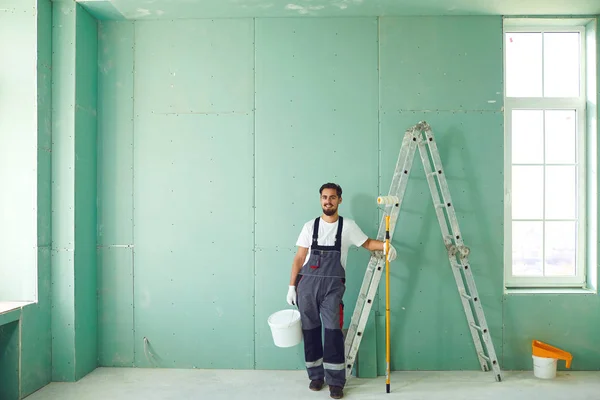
{"type": "Point", "coordinates": [286, 328]}
{"type": "Point", "coordinates": [544, 368]}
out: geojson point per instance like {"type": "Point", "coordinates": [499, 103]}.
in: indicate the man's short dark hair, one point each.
{"type": "Point", "coordinates": [330, 185]}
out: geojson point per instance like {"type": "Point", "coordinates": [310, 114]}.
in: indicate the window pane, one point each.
{"type": "Point", "coordinates": [527, 192]}
{"type": "Point", "coordinates": [560, 243]}
{"type": "Point", "coordinates": [523, 64]}
{"type": "Point", "coordinates": [561, 194]}
{"type": "Point", "coordinates": [561, 139]}
{"type": "Point", "coordinates": [527, 254]}
{"type": "Point", "coordinates": [527, 136]}
{"type": "Point", "coordinates": [561, 64]}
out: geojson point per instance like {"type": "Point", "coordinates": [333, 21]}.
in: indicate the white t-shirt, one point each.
{"type": "Point", "coordinates": [351, 235]}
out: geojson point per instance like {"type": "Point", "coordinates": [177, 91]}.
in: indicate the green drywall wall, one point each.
{"type": "Point", "coordinates": [63, 186]}
{"type": "Point", "coordinates": [115, 194]}
{"type": "Point", "coordinates": [18, 171]}
{"type": "Point", "coordinates": [157, 102]}
{"type": "Point", "coordinates": [328, 100]}
{"type": "Point", "coordinates": [36, 338]}
{"type": "Point", "coordinates": [74, 276]}
{"type": "Point", "coordinates": [193, 230]}
{"type": "Point", "coordinates": [154, 93]}
{"type": "Point", "coordinates": [9, 361]}
{"type": "Point", "coordinates": [86, 98]}
{"type": "Point", "coordinates": [101, 10]}
{"type": "Point", "coordinates": [10, 316]}
{"type": "Point", "coordinates": [452, 79]}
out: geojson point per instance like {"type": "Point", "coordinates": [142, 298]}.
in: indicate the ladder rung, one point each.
{"type": "Point", "coordinates": [486, 358]}
{"type": "Point", "coordinates": [477, 327]}
{"type": "Point", "coordinates": [364, 296]}
{"type": "Point", "coordinates": [468, 297]}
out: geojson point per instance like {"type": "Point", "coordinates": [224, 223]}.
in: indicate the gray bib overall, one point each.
{"type": "Point", "coordinates": [320, 291]}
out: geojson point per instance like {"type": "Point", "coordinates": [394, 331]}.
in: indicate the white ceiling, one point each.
{"type": "Point", "coordinates": [172, 9]}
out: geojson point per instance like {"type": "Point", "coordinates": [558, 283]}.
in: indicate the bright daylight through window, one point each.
{"type": "Point", "coordinates": [545, 158]}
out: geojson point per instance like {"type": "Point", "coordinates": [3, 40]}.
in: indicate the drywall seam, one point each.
{"type": "Point", "coordinates": [133, 195]}
{"type": "Point", "coordinates": [379, 161]}
{"type": "Point", "coordinates": [75, 37]}
{"type": "Point", "coordinates": [254, 190]}
{"type": "Point", "coordinates": [465, 111]}
{"type": "Point", "coordinates": [203, 113]}
{"type": "Point", "coordinates": [20, 346]}
{"type": "Point", "coordinates": [502, 297]}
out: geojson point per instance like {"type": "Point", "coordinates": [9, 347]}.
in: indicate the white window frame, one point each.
{"type": "Point", "coordinates": [548, 103]}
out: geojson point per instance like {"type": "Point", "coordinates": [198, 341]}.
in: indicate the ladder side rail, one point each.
{"type": "Point", "coordinates": [360, 302]}
{"type": "Point", "coordinates": [355, 332]}
{"type": "Point", "coordinates": [363, 310]}
{"type": "Point", "coordinates": [453, 264]}
{"type": "Point", "coordinates": [373, 276]}
{"type": "Point", "coordinates": [399, 181]}
{"type": "Point", "coordinates": [482, 321]}
{"type": "Point", "coordinates": [367, 279]}
{"type": "Point", "coordinates": [441, 175]}
{"type": "Point", "coordinates": [400, 190]}
{"type": "Point", "coordinates": [364, 316]}
{"type": "Point", "coordinates": [464, 259]}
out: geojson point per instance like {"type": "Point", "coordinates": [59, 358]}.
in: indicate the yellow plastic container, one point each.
{"type": "Point", "coordinates": [541, 349]}
{"type": "Point", "coordinates": [545, 359]}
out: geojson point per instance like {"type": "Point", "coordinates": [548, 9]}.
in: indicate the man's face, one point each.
{"type": "Point", "coordinates": [330, 201]}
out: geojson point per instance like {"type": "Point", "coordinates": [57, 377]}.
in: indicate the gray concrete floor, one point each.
{"type": "Point", "coordinates": [151, 384]}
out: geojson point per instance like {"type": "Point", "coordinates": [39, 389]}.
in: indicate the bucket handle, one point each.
{"type": "Point", "coordinates": [292, 315]}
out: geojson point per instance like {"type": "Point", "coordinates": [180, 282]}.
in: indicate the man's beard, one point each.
{"type": "Point", "coordinates": [329, 211]}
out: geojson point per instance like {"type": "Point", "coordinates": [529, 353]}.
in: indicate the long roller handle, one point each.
{"type": "Point", "coordinates": [387, 301]}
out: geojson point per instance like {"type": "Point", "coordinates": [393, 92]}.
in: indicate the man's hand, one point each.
{"type": "Point", "coordinates": [392, 255]}
{"type": "Point", "coordinates": [291, 296]}
{"type": "Point", "coordinates": [379, 245]}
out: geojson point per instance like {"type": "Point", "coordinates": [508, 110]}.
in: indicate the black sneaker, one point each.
{"type": "Point", "coordinates": [336, 392]}
{"type": "Point", "coordinates": [316, 385]}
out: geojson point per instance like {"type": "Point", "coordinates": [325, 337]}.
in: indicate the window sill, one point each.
{"type": "Point", "coordinates": [6, 306]}
{"type": "Point", "coordinates": [550, 290]}
{"type": "Point", "coordinates": [10, 311]}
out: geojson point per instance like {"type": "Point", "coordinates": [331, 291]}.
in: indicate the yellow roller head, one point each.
{"type": "Point", "coordinates": [387, 200]}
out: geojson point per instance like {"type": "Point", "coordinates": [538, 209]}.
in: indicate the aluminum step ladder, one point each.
{"type": "Point", "coordinates": [421, 136]}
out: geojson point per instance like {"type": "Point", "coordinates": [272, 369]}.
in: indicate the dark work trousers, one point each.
{"type": "Point", "coordinates": [320, 290]}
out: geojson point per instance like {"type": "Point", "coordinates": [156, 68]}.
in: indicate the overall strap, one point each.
{"type": "Point", "coordinates": [338, 235]}
{"type": "Point", "coordinates": [315, 237]}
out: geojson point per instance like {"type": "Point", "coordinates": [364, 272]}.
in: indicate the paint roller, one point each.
{"type": "Point", "coordinates": [388, 200]}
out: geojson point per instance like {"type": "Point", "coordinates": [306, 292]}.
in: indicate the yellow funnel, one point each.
{"type": "Point", "coordinates": [541, 349]}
